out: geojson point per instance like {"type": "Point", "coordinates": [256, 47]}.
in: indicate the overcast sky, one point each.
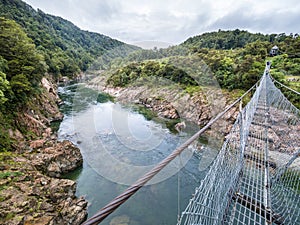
{"type": "Point", "coordinates": [173, 21]}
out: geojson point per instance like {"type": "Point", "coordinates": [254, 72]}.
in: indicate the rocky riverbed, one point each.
{"type": "Point", "coordinates": [31, 191]}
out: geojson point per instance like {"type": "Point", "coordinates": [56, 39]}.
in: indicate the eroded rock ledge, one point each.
{"type": "Point", "coordinates": [29, 197]}
{"type": "Point", "coordinates": [30, 191]}
{"type": "Point", "coordinates": [56, 159]}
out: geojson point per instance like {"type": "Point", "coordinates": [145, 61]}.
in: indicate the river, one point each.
{"type": "Point", "coordinates": [119, 143]}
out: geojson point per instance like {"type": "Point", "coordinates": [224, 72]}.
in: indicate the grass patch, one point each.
{"type": "Point", "coordinates": [9, 216]}
{"type": "Point", "coordinates": [6, 174]}
{"type": "Point", "coordinates": [193, 89]}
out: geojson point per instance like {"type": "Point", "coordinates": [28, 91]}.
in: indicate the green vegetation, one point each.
{"type": "Point", "coordinates": [22, 66]}
{"type": "Point", "coordinates": [33, 43]}
{"type": "Point", "coordinates": [21, 69]}
{"type": "Point", "coordinates": [103, 97]}
{"type": "Point", "coordinates": [4, 175]}
{"type": "Point", "coordinates": [226, 39]}
{"type": "Point", "coordinates": [147, 113]}
{"type": "Point", "coordinates": [235, 58]}
{"type": "Point", "coordinates": [67, 50]}
{"type": "Point", "coordinates": [133, 71]}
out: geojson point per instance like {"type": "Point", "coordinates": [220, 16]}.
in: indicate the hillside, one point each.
{"type": "Point", "coordinates": [226, 39]}
{"type": "Point", "coordinates": [66, 49]}
{"type": "Point", "coordinates": [235, 58]}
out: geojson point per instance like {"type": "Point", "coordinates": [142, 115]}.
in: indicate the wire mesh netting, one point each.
{"type": "Point", "coordinates": [255, 178]}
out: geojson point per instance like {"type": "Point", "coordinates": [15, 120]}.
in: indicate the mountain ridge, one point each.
{"type": "Point", "coordinates": [60, 40]}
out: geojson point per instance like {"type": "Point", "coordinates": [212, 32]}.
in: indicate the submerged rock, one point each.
{"type": "Point", "coordinates": [120, 220]}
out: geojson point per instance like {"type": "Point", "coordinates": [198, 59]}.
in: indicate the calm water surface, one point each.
{"type": "Point", "coordinates": [120, 143]}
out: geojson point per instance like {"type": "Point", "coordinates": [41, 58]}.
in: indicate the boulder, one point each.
{"type": "Point", "coordinates": [29, 197]}
{"type": "Point", "coordinates": [58, 159]}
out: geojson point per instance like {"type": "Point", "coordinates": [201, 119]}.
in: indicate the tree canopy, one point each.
{"type": "Point", "coordinates": [67, 50]}
{"type": "Point", "coordinates": [22, 67]}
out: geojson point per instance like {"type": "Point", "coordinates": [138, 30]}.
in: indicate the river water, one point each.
{"type": "Point", "coordinates": [119, 143]}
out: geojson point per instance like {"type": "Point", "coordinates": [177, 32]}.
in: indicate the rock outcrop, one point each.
{"type": "Point", "coordinates": [162, 107]}
{"type": "Point", "coordinates": [56, 159]}
{"type": "Point", "coordinates": [30, 197]}
{"type": "Point", "coordinates": [173, 103]}
{"type": "Point", "coordinates": [30, 191]}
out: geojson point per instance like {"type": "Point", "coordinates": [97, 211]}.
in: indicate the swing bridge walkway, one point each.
{"type": "Point", "coordinates": [255, 179]}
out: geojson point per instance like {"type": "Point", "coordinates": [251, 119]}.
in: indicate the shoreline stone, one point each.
{"type": "Point", "coordinates": [57, 159]}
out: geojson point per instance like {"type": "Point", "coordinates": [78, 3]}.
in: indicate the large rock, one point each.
{"type": "Point", "coordinates": [71, 211]}
{"type": "Point", "coordinates": [162, 107]}
{"type": "Point", "coordinates": [29, 197]}
{"type": "Point", "coordinates": [37, 143]}
{"type": "Point", "coordinates": [58, 159]}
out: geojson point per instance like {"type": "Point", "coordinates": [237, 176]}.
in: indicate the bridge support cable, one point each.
{"type": "Point", "coordinates": [263, 186]}
{"type": "Point", "coordinates": [282, 85]}
{"type": "Point", "coordinates": [119, 200]}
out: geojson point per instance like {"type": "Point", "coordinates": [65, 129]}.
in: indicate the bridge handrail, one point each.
{"type": "Point", "coordinates": [122, 198]}
{"type": "Point", "coordinates": [274, 80]}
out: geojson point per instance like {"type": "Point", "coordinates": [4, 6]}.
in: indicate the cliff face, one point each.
{"type": "Point", "coordinates": [30, 191]}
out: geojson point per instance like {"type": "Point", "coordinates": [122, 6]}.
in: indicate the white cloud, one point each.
{"type": "Point", "coordinates": [174, 20]}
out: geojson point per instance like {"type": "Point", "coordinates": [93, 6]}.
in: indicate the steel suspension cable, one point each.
{"type": "Point", "coordinates": [296, 92]}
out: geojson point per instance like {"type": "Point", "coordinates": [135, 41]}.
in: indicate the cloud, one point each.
{"type": "Point", "coordinates": [269, 21]}
{"type": "Point", "coordinates": [173, 21]}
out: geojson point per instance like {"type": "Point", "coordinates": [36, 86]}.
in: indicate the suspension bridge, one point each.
{"type": "Point", "coordinates": [255, 178]}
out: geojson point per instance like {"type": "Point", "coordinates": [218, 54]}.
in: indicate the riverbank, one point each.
{"type": "Point", "coordinates": [172, 102]}
{"type": "Point", "coordinates": [31, 191]}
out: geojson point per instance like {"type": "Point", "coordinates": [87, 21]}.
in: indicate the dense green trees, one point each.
{"type": "Point", "coordinates": [32, 43]}
{"type": "Point", "coordinates": [230, 39]}
{"type": "Point", "coordinates": [237, 68]}
{"type": "Point", "coordinates": [67, 50]}
{"type": "Point", "coordinates": [130, 73]}
{"type": "Point", "coordinates": [22, 66]}
{"type": "Point", "coordinates": [4, 84]}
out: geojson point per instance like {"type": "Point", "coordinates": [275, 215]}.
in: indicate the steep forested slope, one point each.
{"type": "Point", "coordinates": [33, 43]}
{"type": "Point", "coordinates": [66, 48]}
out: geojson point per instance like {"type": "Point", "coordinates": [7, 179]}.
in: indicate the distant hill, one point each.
{"type": "Point", "coordinates": [66, 48]}
{"type": "Point", "coordinates": [229, 39]}
{"type": "Point", "coordinates": [236, 58]}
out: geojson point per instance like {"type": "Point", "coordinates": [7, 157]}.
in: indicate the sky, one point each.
{"type": "Point", "coordinates": [170, 22]}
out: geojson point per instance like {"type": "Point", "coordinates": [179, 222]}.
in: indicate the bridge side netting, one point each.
{"type": "Point", "coordinates": [255, 177]}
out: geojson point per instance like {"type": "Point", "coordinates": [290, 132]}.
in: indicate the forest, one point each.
{"type": "Point", "coordinates": [33, 44]}
{"type": "Point", "coordinates": [236, 58]}
{"type": "Point", "coordinates": [66, 49]}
